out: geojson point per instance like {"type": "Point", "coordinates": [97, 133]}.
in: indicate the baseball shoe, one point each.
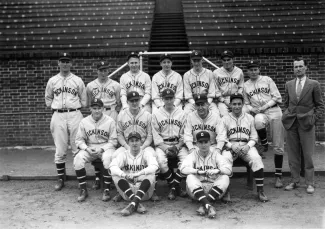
{"type": "Point", "coordinates": [155, 197]}
{"type": "Point", "coordinates": [83, 195]}
{"type": "Point", "coordinates": [226, 198]}
{"type": "Point", "coordinates": [141, 209]}
{"type": "Point", "coordinates": [181, 192]}
{"type": "Point", "coordinates": [96, 185]}
{"type": "Point", "coordinates": [172, 194]}
{"type": "Point", "coordinates": [106, 195]}
{"type": "Point", "coordinates": [117, 197]}
{"type": "Point", "coordinates": [310, 189]}
{"type": "Point", "coordinates": [262, 197]}
{"type": "Point", "coordinates": [201, 210]}
{"type": "Point", "coordinates": [291, 186]}
{"type": "Point", "coordinates": [212, 212]}
{"type": "Point", "coordinates": [128, 210]}
{"type": "Point", "coordinates": [278, 183]}
{"type": "Point", "coordinates": [59, 185]}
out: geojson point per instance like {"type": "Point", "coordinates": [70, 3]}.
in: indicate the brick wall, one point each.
{"type": "Point", "coordinates": [24, 119]}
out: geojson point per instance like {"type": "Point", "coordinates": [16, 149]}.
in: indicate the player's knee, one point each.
{"type": "Point", "coordinates": [259, 121]}
{"type": "Point", "coordinates": [78, 163]}
{"type": "Point", "coordinates": [256, 163]}
{"type": "Point", "coordinates": [190, 178]}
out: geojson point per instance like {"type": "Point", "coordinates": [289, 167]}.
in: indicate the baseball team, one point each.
{"type": "Point", "coordinates": [204, 121]}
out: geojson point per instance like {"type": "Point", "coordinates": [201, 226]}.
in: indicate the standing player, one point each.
{"type": "Point", "coordinates": [261, 98]}
{"type": "Point", "coordinates": [229, 80]}
{"type": "Point", "coordinates": [197, 81]}
{"type": "Point", "coordinates": [65, 93]}
{"type": "Point", "coordinates": [207, 174]}
{"type": "Point", "coordinates": [96, 138]}
{"type": "Point", "coordinates": [136, 80]}
{"type": "Point", "coordinates": [168, 129]}
{"type": "Point", "coordinates": [237, 133]}
{"type": "Point", "coordinates": [166, 78]}
{"type": "Point", "coordinates": [134, 171]}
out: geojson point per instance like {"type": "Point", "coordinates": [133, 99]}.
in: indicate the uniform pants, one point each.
{"type": "Point", "coordinates": [162, 158]}
{"type": "Point", "coordinates": [84, 157]}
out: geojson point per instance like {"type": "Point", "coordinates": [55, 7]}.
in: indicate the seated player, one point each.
{"type": "Point", "coordinates": [133, 173]}
{"type": "Point", "coordinates": [96, 138]}
{"type": "Point", "coordinates": [237, 133]}
{"type": "Point", "coordinates": [207, 174]}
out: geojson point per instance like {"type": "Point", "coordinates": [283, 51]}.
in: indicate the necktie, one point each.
{"type": "Point", "coordinates": [299, 89]}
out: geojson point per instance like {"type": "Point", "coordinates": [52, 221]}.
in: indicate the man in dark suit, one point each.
{"type": "Point", "coordinates": [303, 107]}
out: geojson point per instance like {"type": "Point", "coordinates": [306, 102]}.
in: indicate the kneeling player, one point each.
{"type": "Point", "coordinates": [208, 174]}
{"type": "Point", "coordinates": [96, 138]}
{"type": "Point", "coordinates": [134, 171]}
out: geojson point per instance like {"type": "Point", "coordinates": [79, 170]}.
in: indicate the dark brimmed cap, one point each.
{"type": "Point", "coordinates": [64, 56]}
{"type": "Point", "coordinates": [253, 63]}
{"type": "Point", "coordinates": [134, 135]}
{"type": "Point", "coordinates": [97, 102]}
{"type": "Point", "coordinates": [132, 95]}
{"type": "Point", "coordinates": [236, 96]}
{"type": "Point", "coordinates": [203, 136]}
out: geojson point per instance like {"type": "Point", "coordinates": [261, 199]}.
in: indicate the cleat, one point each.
{"type": "Point", "coordinates": [106, 195]}
{"type": "Point", "coordinates": [291, 186]}
{"type": "Point", "coordinates": [172, 194]}
{"type": "Point", "coordinates": [128, 210]}
{"type": "Point", "coordinates": [310, 189]}
{"type": "Point", "coordinates": [141, 209]}
{"type": "Point", "coordinates": [226, 197]}
{"type": "Point", "coordinates": [262, 197]}
{"type": "Point", "coordinates": [59, 185]}
{"type": "Point", "coordinates": [83, 195]}
{"type": "Point", "coordinates": [278, 183]}
{"type": "Point", "coordinates": [212, 212]}
{"type": "Point", "coordinates": [155, 197]}
{"type": "Point", "coordinates": [96, 185]}
{"type": "Point", "coordinates": [181, 192]}
{"type": "Point", "coordinates": [201, 210]}
{"type": "Point", "coordinates": [117, 197]}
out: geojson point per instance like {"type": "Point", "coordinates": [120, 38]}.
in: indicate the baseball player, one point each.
{"type": "Point", "coordinates": [237, 133]}
{"type": "Point", "coordinates": [134, 119]}
{"type": "Point", "coordinates": [136, 80]}
{"type": "Point", "coordinates": [207, 174]}
{"type": "Point", "coordinates": [168, 129]}
{"type": "Point", "coordinates": [166, 78]}
{"type": "Point", "coordinates": [262, 98]}
{"type": "Point", "coordinates": [134, 171]}
{"type": "Point", "coordinates": [229, 80]}
{"type": "Point", "coordinates": [65, 94]}
{"type": "Point", "coordinates": [197, 81]}
{"type": "Point", "coordinates": [96, 138]}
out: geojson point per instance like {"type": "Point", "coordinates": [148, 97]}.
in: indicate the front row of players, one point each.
{"type": "Point", "coordinates": [133, 167]}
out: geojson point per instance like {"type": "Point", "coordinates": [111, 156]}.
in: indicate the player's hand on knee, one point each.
{"type": "Point", "coordinates": [245, 149]}
{"type": "Point", "coordinates": [212, 172]}
{"type": "Point", "coordinates": [255, 110]}
{"type": "Point", "coordinates": [236, 148]}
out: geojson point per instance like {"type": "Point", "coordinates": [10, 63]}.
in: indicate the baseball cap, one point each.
{"type": "Point", "coordinates": [253, 63]}
{"type": "Point", "coordinates": [166, 56]}
{"type": "Point", "coordinates": [203, 136]}
{"type": "Point", "coordinates": [236, 96]}
{"type": "Point", "coordinates": [102, 64]}
{"type": "Point", "coordinates": [133, 54]}
{"type": "Point", "coordinates": [132, 95]}
{"type": "Point", "coordinates": [196, 55]}
{"type": "Point", "coordinates": [227, 53]}
{"type": "Point", "coordinates": [201, 98]}
{"type": "Point", "coordinates": [134, 135]}
{"type": "Point", "coordinates": [97, 102]}
{"type": "Point", "coordinates": [167, 93]}
{"type": "Point", "coordinates": [64, 56]}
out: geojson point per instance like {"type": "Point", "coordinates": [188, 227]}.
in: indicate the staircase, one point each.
{"type": "Point", "coordinates": [168, 34]}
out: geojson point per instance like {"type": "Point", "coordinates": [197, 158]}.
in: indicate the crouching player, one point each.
{"type": "Point", "coordinates": [207, 174]}
{"type": "Point", "coordinates": [133, 172]}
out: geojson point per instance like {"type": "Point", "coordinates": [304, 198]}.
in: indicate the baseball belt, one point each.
{"type": "Point", "coordinates": [238, 140]}
{"type": "Point", "coordinates": [176, 139]}
{"type": "Point", "coordinates": [65, 110]}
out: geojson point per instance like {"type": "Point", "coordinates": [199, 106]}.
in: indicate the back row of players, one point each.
{"type": "Point", "coordinates": [123, 137]}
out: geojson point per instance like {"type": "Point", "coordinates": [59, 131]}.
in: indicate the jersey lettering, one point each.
{"type": "Point", "coordinates": [228, 80]}
{"type": "Point", "coordinates": [135, 83]}
{"type": "Point", "coordinates": [175, 122]}
{"type": "Point", "coordinates": [238, 129]}
{"type": "Point", "coordinates": [60, 90]}
{"type": "Point", "coordinates": [137, 122]}
{"type": "Point", "coordinates": [164, 85]}
{"type": "Point", "coordinates": [258, 91]}
{"type": "Point", "coordinates": [199, 84]}
{"type": "Point", "coordinates": [204, 127]}
{"type": "Point", "coordinates": [97, 132]}
{"type": "Point", "coordinates": [134, 168]}
{"type": "Point", "coordinates": [204, 167]}
{"type": "Point", "coordinates": [105, 90]}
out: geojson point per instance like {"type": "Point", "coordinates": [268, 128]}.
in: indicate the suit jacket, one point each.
{"type": "Point", "coordinates": [308, 109]}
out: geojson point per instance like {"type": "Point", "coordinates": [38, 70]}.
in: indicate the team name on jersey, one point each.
{"type": "Point", "coordinates": [166, 85]}
{"type": "Point", "coordinates": [134, 168]}
{"type": "Point", "coordinates": [204, 127]}
{"type": "Point", "coordinates": [135, 83]}
{"type": "Point", "coordinates": [105, 90]}
{"type": "Point", "coordinates": [97, 132]}
{"type": "Point", "coordinates": [60, 90]}
{"type": "Point", "coordinates": [175, 122]}
{"type": "Point", "coordinates": [238, 129]}
{"type": "Point", "coordinates": [204, 167]}
{"type": "Point", "coordinates": [228, 80]}
{"type": "Point", "coordinates": [199, 84]}
{"type": "Point", "coordinates": [137, 122]}
{"type": "Point", "coordinates": [258, 91]}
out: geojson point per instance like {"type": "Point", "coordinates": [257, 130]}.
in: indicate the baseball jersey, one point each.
{"type": "Point", "coordinates": [128, 123]}
{"type": "Point", "coordinates": [125, 163]}
{"type": "Point", "coordinates": [199, 84]}
{"type": "Point", "coordinates": [140, 82]}
{"type": "Point", "coordinates": [167, 125]}
{"type": "Point", "coordinates": [161, 81]}
{"type": "Point", "coordinates": [260, 92]}
{"type": "Point", "coordinates": [65, 92]}
{"type": "Point", "coordinates": [233, 128]}
{"type": "Point", "coordinates": [108, 92]}
{"type": "Point", "coordinates": [229, 82]}
{"type": "Point", "coordinates": [214, 160]}
{"type": "Point", "coordinates": [194, 124]}
{"type": "Point", "coordinates": [92, 133]}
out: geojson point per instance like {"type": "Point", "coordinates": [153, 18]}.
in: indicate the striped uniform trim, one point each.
{"type": "Point", "coordinates": [136, 196]}
{"type": "Point", "coordinates": [216, 191]}
{"type": "Point", "coordinates": [211, 197]}
{"type": "Point", "coordinates": [107, 182]}
{"type": "Point", "coordinates": [60, 174]}
{"type": "Point", "coordinates": [202, 197]}
{"type": "Point", "coordinates": [199, 190]}
{"type": "Point", "coordinates": [81, 177]}
{"type": "Point", "coordinates": [169, 176]}
{"type": "Point", "coordinates": [176, 181]}
{"type": "Point", "coordinates": [141, 191]}
{"type": "Point", "coordinates": [60, 169]}
{"type": "Point", "coordinates": [278, 173]}
{"type": "Point", "coordinates": [259, 185]}
{"type": "Point", "coordinates": [82, 183]}
{"type": "Point", "coordinates": [130, 197]}
{"type": "Point", "coordinates": [259, 179]}
{"type": "Point", "coordinates": [106, 176]}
